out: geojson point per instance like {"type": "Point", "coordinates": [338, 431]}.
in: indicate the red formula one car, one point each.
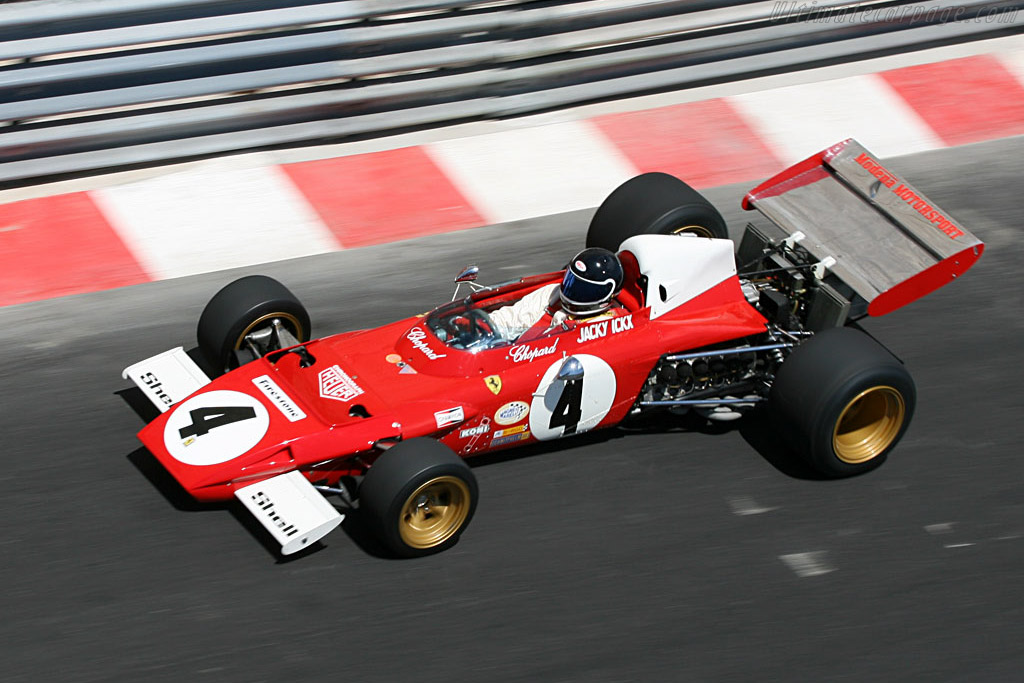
{"type": "Point", "coordinates": [383, 418]}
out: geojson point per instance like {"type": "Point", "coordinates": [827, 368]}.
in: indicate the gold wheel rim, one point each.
{"type": "Point", "coordinates": [869, 424]}
{"type": "Point", "coordinates": [698, 230]}
{"type": "Point", "coordinates": [286, 319]}
{"type": "Point", "coordinates": [434, 512]}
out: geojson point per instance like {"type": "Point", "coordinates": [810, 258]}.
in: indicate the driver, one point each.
{"type": "Point", "coordinates": [591, 281]}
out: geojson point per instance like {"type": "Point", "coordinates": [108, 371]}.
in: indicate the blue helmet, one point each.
{"type": "Point", "coordinates": [593, 277]}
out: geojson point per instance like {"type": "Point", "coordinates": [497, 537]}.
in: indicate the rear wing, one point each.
{"type": "Point", "coordinates": [868, 226]}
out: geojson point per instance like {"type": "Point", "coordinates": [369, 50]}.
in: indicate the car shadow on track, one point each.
{"type": "Point", "coordinates": [181, 500]}
{"type": "Point", "coordinates": [755, 428]}
{"type": "Point", "coordinates": [139, 404]}
{"type": "Point", "coordinates": [162, 481]}
{"type": "Point", "coordinates": [761, 435]}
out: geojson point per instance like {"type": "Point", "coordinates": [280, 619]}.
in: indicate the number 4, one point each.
{"type": "Point", "coordinates": [205, 419]}
{"type": "Point", "coordinates": [569, 409]}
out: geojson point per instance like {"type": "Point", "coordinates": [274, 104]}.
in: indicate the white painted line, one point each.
{"type": "Point", "coordinates": [808, 564]}
{"type": "Point", "coordinates": [745, 505]}
{"type": "Point", "coordinates": [205, 220]}
{"type": "Point", "coordinates": [797, 121]}
{"type": "Point", "coordinates": [1014, 63]}
{"type": "Point", "coordinates": [531, 172]}
{"type": "Point", "coordinates": [943, 528]}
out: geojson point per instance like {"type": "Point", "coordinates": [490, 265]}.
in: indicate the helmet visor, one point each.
{"type": "Point", "coordinates": [579, 290]}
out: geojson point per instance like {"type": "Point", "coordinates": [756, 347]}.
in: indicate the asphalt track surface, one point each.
{"type": "Point", "coordinates": [664, 555]}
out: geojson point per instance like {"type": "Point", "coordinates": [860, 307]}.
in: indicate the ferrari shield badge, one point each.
{"type": "Point", "coordinates": [493, 383]}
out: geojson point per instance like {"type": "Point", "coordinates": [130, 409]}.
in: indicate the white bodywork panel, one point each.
{"type": "Point", "coordinates": [167, 377]}
{"type": "Point", "coordinates": [291, 509]}
{"type": "Point", "coordinates": [680, 267]}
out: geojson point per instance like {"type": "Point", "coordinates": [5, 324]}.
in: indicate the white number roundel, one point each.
{"type": "Point", "coordinates": [561, 408]}
{"type": "Point", "coordinates": [215, 427]}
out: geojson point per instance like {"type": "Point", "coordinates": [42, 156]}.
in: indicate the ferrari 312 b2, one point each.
{"type": "Point", "coordinates": [383, 419]}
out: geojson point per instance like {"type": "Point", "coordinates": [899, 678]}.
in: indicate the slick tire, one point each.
{"type": "Point", "coordinates": [418, 498]}
{"type": "Point", "coordinates": [653, 204]}
{"type": "Point", "coordinates": [842, 401]}
{"type": "Point", "coordinates": [242, 307]}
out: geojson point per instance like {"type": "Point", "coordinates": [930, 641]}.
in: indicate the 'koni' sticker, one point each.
{"type": "Point", "coordinates": [565, 407]}
{"type": "Point", "coordinates": [214, 427]}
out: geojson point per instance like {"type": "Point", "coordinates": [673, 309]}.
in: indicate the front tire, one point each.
{"type": "Point", "coordinates": [246, 306]}
{"type": "Point", "coordinates": [418, 498]}
{"type": "Point", "coordinates": [843, 401]}
{"type": "Point", "coordinates": [653, 204]}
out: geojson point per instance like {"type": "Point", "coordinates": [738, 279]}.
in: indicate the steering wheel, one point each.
{"type": "Point", "coordinates": [475, 328]}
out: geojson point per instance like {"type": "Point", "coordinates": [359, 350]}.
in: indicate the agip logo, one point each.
{"type": "Point", "coordinates": [337, 385]}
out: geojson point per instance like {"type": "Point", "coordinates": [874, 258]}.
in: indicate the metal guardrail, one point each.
{"type": "Point", "coordinates": [90, 85]}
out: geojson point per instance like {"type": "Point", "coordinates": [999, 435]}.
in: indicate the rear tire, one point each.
{"type": "Point", "coordinates": [842, 401]}
{"type": "Point", "coordinates": [242, 307]}
{"type": "Point", "coordinates": [653, 204]}
{"type": "Point", "coordinates": [418, 498]}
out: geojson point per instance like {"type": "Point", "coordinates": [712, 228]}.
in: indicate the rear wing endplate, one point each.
{"type": "Point", "coordinates": [874, 230]}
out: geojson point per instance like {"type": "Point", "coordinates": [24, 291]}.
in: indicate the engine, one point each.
{"type": "Point", "coordinates": [719, 384]}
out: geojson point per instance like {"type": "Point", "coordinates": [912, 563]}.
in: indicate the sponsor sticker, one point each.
{"type": "Point", "coordinates": [518, 429]}
{"type": "Point", "coordinates": [876, 169]}
{"type": "Point", "coordinates": [266, 505]}
{"type": "Point", "coordinates": [493, 383]}
{"type": "Point", "coordinates": [512, 438]}
{"type": "Point", "coordinates": [475, 431]}
{"type": "Point", "coordinates": [512, 412]}
{"type": "Point", "coordinates": [528, 353]}
{"type": "Point", "coordinates": [280, 399]}
{"type": "Point", "coordinates": [393, 358]}
{"type": "Point", "coordinates": [336, 384]}
{"type": "Point", "coordinates": [417, 336]}
{"type": "Point", "coordinates": [927, 211]}
{"type": "Point", "coordinates": [887, 178]}
{"type": "Point", "coordinates": [449, 417]}
{"type": "Point", "coordinates": [475, 434]}
{"type": "Point", "coordinates": [156, 386]}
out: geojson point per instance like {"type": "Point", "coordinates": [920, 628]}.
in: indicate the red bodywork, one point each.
{"type": "Point", "coordinates": [401, 381]}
